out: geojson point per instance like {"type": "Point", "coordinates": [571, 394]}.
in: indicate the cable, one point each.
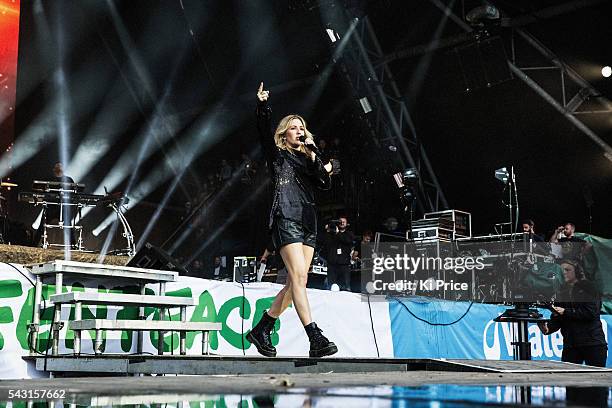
{"type": "Point", "coordinates": [372, 323]}
{"type": "Point", "coordinates": [32, 348]}
{"type": "Point", "coordinates": [21, 273]}
{"type": "Point", "coordinates": [197, 45]}
{"type": "Point", "coordinates": [428, 322]}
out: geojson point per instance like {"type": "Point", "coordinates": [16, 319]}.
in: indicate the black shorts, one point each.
{"type": "Point", "coordinates": [286, 231]}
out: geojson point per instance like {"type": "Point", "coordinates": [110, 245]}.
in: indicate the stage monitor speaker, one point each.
{"type": "Point", "coordinates": [245, 269]}
{"type": "Point", "coordinates": [152, 257]}
{"type": "Point", "coordinates": [483, 64]}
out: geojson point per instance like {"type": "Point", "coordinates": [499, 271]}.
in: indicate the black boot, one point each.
{"type": "Point", "coordinates": [320, 346]}
{"type": "Point", "coordinates": [260, 336]}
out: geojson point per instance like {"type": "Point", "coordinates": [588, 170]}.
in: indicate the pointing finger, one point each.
{"type": "Point", "coordinates": [260, 87]}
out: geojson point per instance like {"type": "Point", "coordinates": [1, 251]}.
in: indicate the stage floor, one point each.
{"type": "Point", "coordinates": [121, 364]}
{"type": "Point", "coordinates": [380, 389]}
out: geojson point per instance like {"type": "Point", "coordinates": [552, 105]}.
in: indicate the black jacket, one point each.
{"type": "Point", "coordinates": [580, 324]}
{"type": "Point", "coordinates": [339, 247]}
{"type": "Point", "coordinates": [295, 176]}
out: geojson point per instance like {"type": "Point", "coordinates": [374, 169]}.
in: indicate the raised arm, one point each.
{"type": "Point", "coordinates": [264, 125]}
{"type": "Point", "coordinates": [555, 236]}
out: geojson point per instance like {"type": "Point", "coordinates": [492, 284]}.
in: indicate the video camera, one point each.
{"type": "Point", "coordinates": [334, 223]}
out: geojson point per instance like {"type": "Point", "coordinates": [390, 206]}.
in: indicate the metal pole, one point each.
{"type": "Point", "coordinates": [36, 315]}
{"type": "Point", "coordinates": [139, 333]}
{"type": "Point", "coordinates": [98, 342]}
{"type": "Point", "coordinates": [162, 317]}
{"type": "Point", "coordinates": [182, 333]}
{"type": "Point", "coordinates": [57, 314]}
{"type": "Point", "coordinates": [78, 313]}
{"type": "Point", "coordinates": [548, 98]}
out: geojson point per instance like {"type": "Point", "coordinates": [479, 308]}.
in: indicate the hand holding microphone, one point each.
{"type": "Point", "coordinates": [309, 143]}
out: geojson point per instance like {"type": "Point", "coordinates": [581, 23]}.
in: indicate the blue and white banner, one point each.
{"type": "Point", "coordinates": [447, 331]}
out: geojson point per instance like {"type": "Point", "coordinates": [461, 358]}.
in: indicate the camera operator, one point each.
{"type": "Point", "coordinates": [577, 315]}
{"type": "Point", "coordinates": [339, 242]}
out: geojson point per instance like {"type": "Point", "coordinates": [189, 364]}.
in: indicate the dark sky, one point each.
{"type": "Point", "coordinates": [206, 58]}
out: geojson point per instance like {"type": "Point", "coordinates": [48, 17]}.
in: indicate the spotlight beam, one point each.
{"type": "Point", "coordinates": [40, 133]}
{"type": "Point", "coordinates": [203, 135]}
{"type": "Point", "coordinates": [128, 45]}
{"type": "Point", "coordinates": [63, 120]}
{"type": "Point", "coordinates": [207, 207]}
{"type": "Point", "coordinates": [227, 222]}
{"type": "Point", "coordinates": [161, 127]}
{"type": "Point", "coordinates": [139, 66]}
{"type": "Point", "coordinates": [201, 138]}
{"type": "Point", "coordinates": [418, 76]}
{"type": "Point", "coordinates": [109, 124]}
{"type": "Point", "coordinates": [142, 76]}
{"type": "Point", "coordinates": [158, 211]}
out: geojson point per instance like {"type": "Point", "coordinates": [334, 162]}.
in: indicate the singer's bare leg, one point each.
{"type": "Point", "coordinates": [295, 259]}
{"type": "Point", "coordinates": [281, 301]}
{"type": "Point", "coordinates": [284, 298]}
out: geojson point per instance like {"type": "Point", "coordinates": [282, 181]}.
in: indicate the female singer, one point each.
{"type": "Point", "coordinates": [296, 170]}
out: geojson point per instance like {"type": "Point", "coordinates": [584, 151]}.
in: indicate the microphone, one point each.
{"type": "Point", "coordinates": [312, 147]}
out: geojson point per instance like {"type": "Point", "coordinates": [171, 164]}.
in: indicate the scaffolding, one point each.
{"type": "Point", "coordinates": [385, 112]}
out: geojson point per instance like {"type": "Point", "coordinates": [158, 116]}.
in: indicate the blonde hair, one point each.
{"type": "Point", "coordinates": [279, 135]}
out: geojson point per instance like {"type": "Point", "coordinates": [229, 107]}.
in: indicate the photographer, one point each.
{"type": "Point", "coordinates": [338, 243]}
{"type": "Point", "coordinates": [577, 316]}
{"type": "Point", "coordinates": [570, 246]}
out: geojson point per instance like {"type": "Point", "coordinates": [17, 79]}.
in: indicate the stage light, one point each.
{"type": "Point", "coordinates": [37, 221]}
{"type": "Point", "coordinates": [606, 71]}
{"type": "Point", "coordinates": [481, 15]}
{"type": "Point", "coordinates": [410, 177]}
{"type": "Point", "coordinates": [502, 175]}
{"type": "Point", "coordinates": [333, 36]}
{"type": "Point", "coordinates": [100, 228]}
{"type": "Point", "coordinates": [365, 104]}
{"type": "Point", "coordinates": [407, 182]}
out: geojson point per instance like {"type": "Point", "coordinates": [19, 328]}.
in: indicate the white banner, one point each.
{"type": "Point", "coordinates": [343, 317]}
